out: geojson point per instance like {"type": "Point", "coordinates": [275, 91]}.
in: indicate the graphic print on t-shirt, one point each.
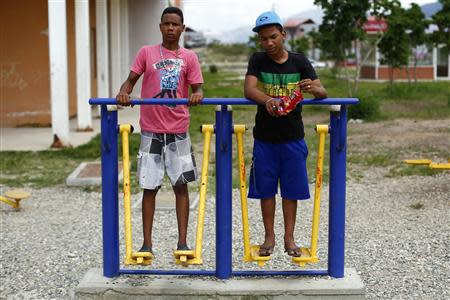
{"type": "Point", "coordinates": [169, 75]}
{"type": "Point", "coordinates": [279, 85]}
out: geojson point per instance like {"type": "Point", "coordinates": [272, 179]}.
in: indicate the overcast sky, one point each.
{"type": "Point", "coordinates": [221, 15]}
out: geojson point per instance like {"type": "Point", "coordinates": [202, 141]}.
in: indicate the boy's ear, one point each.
{"type": "Point", "coordinates": [184, 27]}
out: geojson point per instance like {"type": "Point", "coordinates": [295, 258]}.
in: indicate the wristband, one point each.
{"type": "Point", "coordinates": [265, 103]}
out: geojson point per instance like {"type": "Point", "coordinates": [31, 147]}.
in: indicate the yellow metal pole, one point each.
{"type": "Point", "coordinates": [207, 131]}
{"type": "Point", "coordinates": [13, 197]}
{"type": "Point", "coordinates": [322, 130]}
{"type": "Point", "coordinates": [10, 202]}
{"type": "Point", "coordinates": [125, 130]}
{"type": "Point", "coordinates": [239, 131]}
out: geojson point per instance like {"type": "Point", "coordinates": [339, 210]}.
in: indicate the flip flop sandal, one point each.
{"type": "Point", "coordinates": [265, 250]}
{"type": "Point", "coordinates": [183, 247]}
{"type": "Point", "coordinates": [294, 252]}
{"type": "Point", "coordinates": [145, 248]}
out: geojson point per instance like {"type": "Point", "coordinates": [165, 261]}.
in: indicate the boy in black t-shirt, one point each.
{"type": "Point", "coordinates": [279, 151]}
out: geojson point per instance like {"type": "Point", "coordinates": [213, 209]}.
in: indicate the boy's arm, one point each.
{"type": "Point", "coordinates": [197, 94]}
{"type": "Point", "coordinates": [123, 97]}
{"type": "Point", "coordinates": [252, 92]}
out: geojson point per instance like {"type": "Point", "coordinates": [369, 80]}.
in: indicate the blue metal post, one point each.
{"type": "Point", "coordinates": [223, 193]}
{"type": "Point", "coordinates": [110, 203]}
{"type": "Point", "coordinates": [336, 233]}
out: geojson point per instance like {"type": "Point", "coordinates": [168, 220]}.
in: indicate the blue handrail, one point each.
{"type": "Point", "coordinates": [222, 101]}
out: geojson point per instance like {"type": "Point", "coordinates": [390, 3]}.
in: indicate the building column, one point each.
{"type": "Point", "coordinates": [448, 64]}
{"type": "Point", "coordinates": [377, 62]}
{"type": "Point", "coordinates": [59, 89]}
{"type": "Point", "coordinates": [119, 43]}
{"type": "Point", "coordinates": [83, 64]}
{"type": "Point", "coordinates": [435, 63]}
{"type": "Point", "coordinates": [124, 41]}
{"type": "Point", "coordinates": [101, 10]}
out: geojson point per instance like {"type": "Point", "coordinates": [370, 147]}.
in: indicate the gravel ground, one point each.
{"type": "Point", "coordinates": [399, 249]}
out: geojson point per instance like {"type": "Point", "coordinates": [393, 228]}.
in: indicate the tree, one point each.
{"type": "Point", "coordinates": [314, 37]}
{"type": "Point", "coordinates": [395, 43]}
{"type": "Point", "coordinates": [416, 25]}
{"type": "Point", "coordinates": [442, 20]}
{"type": "Point", "coordinates": [342, 25]}
{"type": "Point", "coordinates": [254, 44]}
{"type": "Point", "coordinates": [299, 45]}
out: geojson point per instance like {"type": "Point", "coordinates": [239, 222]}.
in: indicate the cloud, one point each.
{"type": "Point", "coordinates": [224, 15]}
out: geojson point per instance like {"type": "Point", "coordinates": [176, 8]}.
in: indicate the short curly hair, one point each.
{"type": "Point", "coordinates": [173, 10]}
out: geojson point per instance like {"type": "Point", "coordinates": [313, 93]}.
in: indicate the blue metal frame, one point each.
{"type": "Point", "coordinates": [110, 196]}
{"type": "Point", "coordinates": [224, 130]}
{"type": "Point", "coordinates": [336, 222]}
{"type": "Point", "coordinates": [234, 273]}
{"type": "Point", "coordinates": [224, 228]}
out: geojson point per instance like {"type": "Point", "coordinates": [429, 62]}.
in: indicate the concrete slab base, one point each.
{"type": "Point", "coordinates": [95, 286]}
{"type": "Point", "coordinates": [89, 173]}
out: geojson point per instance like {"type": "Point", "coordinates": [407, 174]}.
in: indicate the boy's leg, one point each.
{"type": "Point", "coordinates": [264, 186]}
{"type": "Point", "coordinates": [181, 169]}
{"type": "Point", "coordinates": [289, 214]}
{"type": "Point", "coordinates": [268, 215]}
{"type": "Point", "coordinates": [148, 211]}
{"type": "Point", "coordinates": [294, 187]}
{"type": "Point", "coordinates": [182, 208]}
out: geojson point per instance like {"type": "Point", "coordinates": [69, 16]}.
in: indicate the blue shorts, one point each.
{"type": "Point", "coordinates": [285, 163]}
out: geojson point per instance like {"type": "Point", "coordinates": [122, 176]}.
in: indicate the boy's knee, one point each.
{"type": "Point", "coordinates": [149, 194]}
{"type": "Point", "coordinates": [180, 189]}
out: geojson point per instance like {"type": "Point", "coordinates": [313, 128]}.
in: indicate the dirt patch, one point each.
{"type": "Point", "coordinates": [421, 136]}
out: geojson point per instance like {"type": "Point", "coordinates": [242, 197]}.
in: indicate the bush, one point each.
{"type": "Point", "coordinates": [367, 109]}
{"type": "Point", "coordinates": [213, 68]}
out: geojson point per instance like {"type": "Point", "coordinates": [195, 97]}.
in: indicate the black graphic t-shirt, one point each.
{"type": "Point", "coordinates": [278, 80]}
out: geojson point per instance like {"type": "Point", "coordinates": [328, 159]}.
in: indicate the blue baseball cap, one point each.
{"type": "Point", "coordinates": [267, 18]}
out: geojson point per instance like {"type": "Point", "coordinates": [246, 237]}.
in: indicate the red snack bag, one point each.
{"type": "Point", "coordinates": [288, 103]}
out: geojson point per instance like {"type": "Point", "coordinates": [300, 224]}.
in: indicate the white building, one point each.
{"type": "Point", "coordinates": [56, 54]}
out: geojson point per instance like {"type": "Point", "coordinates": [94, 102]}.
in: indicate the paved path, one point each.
{"type": "Point", "coordinates": [40, 138]}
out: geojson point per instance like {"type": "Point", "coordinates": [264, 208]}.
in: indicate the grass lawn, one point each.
{"type": "Point", "coordinates": [427, 100]}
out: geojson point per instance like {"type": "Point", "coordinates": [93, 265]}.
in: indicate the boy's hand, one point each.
{"type": "Point", "coordinates": [273, 107]}
{"type": "Point", "coordinates": [313, 87]}
{"type": "Point", "coordinates": [123, 99]}
{"type": "Point", "coordinates": [195, 98]}
{"type": "Point", "coordinates": [307, 86]}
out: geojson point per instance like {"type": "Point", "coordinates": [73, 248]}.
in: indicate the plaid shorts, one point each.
{"type": "Point", "coordinates": [160, 152]}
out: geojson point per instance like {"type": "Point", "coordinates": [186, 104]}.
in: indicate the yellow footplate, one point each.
{"type": "Point", "coordinates": [417, 161]}
{"type": "Point", "coordinates": [185, 257]}
{"type": "Point", "coordinates": [254, 253]}
{"type": "Point", "coordinates": [17, 194]}
{"type": "Point", "coordinates": [305, 258]}
{"type": "Point", "coordinates": [140, 258]}
{"type": "Point", "coordinates": [443, 166]}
